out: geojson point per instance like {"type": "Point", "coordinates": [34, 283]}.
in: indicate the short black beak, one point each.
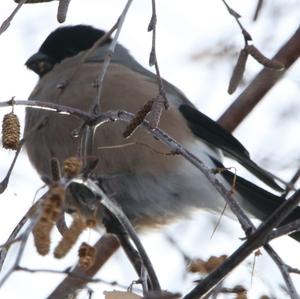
{"type": "Point", "coordinates": [40, 63]}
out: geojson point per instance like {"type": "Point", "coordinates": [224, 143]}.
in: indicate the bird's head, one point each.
{"type": "Point", "coordinates": [62, 43]}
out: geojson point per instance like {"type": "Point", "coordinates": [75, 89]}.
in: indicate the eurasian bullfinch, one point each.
{"type": "Point", "coordinates": [153, 188]}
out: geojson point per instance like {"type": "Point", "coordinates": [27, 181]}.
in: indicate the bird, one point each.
{"type": "Point", "coordinates": [152, 186]}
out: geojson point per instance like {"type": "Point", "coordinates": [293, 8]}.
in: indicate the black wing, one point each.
{"type": "Point", "coordinates": [211, 132]}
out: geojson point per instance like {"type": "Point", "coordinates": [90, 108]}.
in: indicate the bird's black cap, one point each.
{"type": "Point", "coordinates": [62, 43]}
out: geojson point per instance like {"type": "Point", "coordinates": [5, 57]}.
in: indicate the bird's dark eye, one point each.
{"type": "Point", "coordinates": [40, 63]}
{"type": "Point", "coordinates": [42, 67]}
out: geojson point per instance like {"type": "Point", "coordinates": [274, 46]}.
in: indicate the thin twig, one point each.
{"type": "Point", "coordinates": [154, 107]}
{"type": "Point", "coordinates": [236, 16]}
{"type": "Point", "coordinates": [5, 181]}
{"type": "Point", "coordinates": [251, 50]}
{"type": "Point", "coordinates": [88, 136]}
{"type": "Point", "coordinates": [258, 9]}
{"type": "Point", "coordinates": [81, 276]}
{"type": "Point", "coordinates": [7, 22]}
{"type": "Point", "coordinates": [48, 106]}
{"type": "Point", "coordinates": [284, 269]}
{"type": "Point", "coordinates": [11, 240]}
{"type": "Point", "coordinates": [291, 184]}
{"type": "Point", "coordinates": [108, 56]}
{"type": "Point", "coordinates": [87, 53]}
{"type": "Point", "coordinates": [286, 229]}
{"type": "Point", "coordinates": [293, 270]}
{"type": "Point", "coordinates": [160, 101]}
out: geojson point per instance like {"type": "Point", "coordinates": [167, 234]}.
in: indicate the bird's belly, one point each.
{"type": "Point", "coordinates": [148, 199]}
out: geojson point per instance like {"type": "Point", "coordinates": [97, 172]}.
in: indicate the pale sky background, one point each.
{"type": "Point", "coordinates": [185, 28]}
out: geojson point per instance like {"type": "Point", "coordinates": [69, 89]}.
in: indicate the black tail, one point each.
{"type": "Point", "coordinates": [257, 201]}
